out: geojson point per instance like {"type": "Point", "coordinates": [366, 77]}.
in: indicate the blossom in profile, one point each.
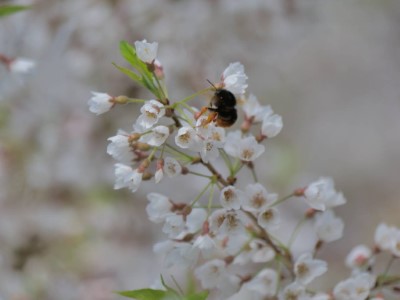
{"type": "Point", "coordinates": [100, 103]}
{"type": "Point", "coordinates": [159, 207]}
{"type": "Point", "coordinates": [119, 147]}
{"type": "Point", "coordinates": [359, 257]}
{"type": "Point", "coordinates": [385, 236]}
{"type": "Point", "coordinates": [127, 177]}
{"type": "Point", "coordinates": [328, 227]}
{"type": "Point", "coordinates": [271, 125]}
{"type": "Point", "coordinates": [234, 79]}
{"type": "Point", "coordinates": [254, 110]}
{"type": "Point", "coordinates": [156, 137]}
{"type": "Point", "coordinates": [147, 52]}
{"type": "Point", "coordinates": [321, 194]}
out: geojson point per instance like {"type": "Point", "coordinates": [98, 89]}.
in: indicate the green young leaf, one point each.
{"type": "Point", "coordinates": [131, 74]}
{"type": "Point", "coordinates": [6, 10]}
{"type": "Point", "coordinates": [145, 294]}
{"type": "Point", "coordinates": [199, 296]}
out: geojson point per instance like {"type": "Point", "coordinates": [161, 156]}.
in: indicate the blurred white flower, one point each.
{"type": "Point", "coordinates": [246, 149]}
{"type": "Point", "coordinates": [119, 147]}
{"type": "Point", "coordinates": [293, 291]}
{"type": "Point", "coordinates": [385, 236]}
{"type": "Point", "coordinates": [234, 79]}
{"type": "Point", "coordinates": [123, 174]}
{"type": "Point", "coordinates": [265, 283]}
{"type": "Point", "coordinates": [156, 137]}
{"type": "Point", "coordinates": [147, 52]}
{"type": "Point", "coordinates": [271, 125]}
{"type": "Point", "coordinates": [257, 251]}
{"type": "Point", "coordinates": [257, 198]}
{"type": "Point", "coordinates": [354, 288]}
{"type": "Point", "coordinates": [231, 197]}
{"type": "Point", "coordinates": [100, 103]}
{"type": "Point", "coordinates": [269, 218]}
{"type": "Point", "coordinates": [151, 112]}
{"type": "Point", "coordinates": [205, 244]}
{"type": "Point", "coordinates": [21, 65]}
{"type": "Point", "coordinates": [159, 207]}
{"type": "Point", "coordinates": [328, 227]}
{"type": "Point", "coordinates": [253, 109]}
{"type": "Point", "coordinates": [211, 273]}
{"type": "Point", "coordinates": [227, 222]}
{"type": "Point", "coordinates": [322, 194]}
{"type": "Point", "coordinates": [307, 269]}
{"type": "Point", "coordinates": [359, 256]}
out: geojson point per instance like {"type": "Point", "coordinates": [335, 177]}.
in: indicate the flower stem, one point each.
{"type": "Point", "coordinates": [193, 96]}
{"type": "Point", "coordinates": [201, 193]}
{"type": "Point", "coordinates": [279, 201]}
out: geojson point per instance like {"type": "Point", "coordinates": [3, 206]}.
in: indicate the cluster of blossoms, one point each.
{"type": "Point", "coordinates": [227, 234]}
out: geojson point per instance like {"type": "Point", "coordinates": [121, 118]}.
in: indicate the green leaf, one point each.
{"type": "Point", "coordinates": [199, 296]}
{"type": "Point", "coordinates": [131, 74]}
{"type": "Point", "coordinates": [6, 10]}
{"type": "Point", "coordinates": [145, 294]}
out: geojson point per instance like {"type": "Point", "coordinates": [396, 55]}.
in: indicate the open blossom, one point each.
{"type": "Point", "coordinates": [211, 273]}
{"type": "Point", "coordinates": [354, 288]}
{"type": "Point", "coordinates": [257, 198]}
{"type": "Point", "coordinates": [156, 137]}
{"type": "Point", "coordinates": [328, 227]}
{"type": "Point", "coordinates": [264, 283]}
{"type": "Point", "coordinates": [178, 226]}
{"type": "Point", "coordinates": [359, 256]}
{"type": "Point", "coordinates": [231, 197]}
{"type": "Point", "coordinates": [322, 194]}
{"type": "Point", "coordinates": [100, 103]}
{"type": "Point", "coordinates": [119, 147]}
{"type": "Point", "coordinates": [172, 167]}
{"type": "Point", "coordinates": [227, 222]}
{"type": "Point", "coordinates": [206, 245]}
{"type": "Point", "coordinates": [269, 218]}
{"type": "Point", "coordinates": [187, 138]}
{"type": "Point", "coordinates": [307, 269]}
{"type": "Point", "coordinates": [246, 149]}
{"type": "Point", "coordinates": [21, 65]}
{"type": "Point", "coordinates": [127, 177]}
{"type": "Point", "coordinates": [147, 52]}
{"type": "Point", "coordinates": [294, 291]}
{"type": "Point", "coordinates": [151, 112]}
{"type": "Point", "coordinates": [159, 207]}
{"type": "Point", "coordinates": [253, 109]}
{"type": "Point", "coordinates": [271, 125]}
{"type": "Point", "coordinates": [177, 253]}
{"type": "Point", "coordinates": [234, 79]}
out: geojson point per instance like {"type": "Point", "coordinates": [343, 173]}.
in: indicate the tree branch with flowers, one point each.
{"type": "Point", "coordinates": [226, 235]}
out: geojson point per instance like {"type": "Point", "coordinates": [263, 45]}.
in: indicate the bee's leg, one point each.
{"type": "Point", "coordinates": [201, 112]}
{"type": "Point", "coordinates": [212, 116]}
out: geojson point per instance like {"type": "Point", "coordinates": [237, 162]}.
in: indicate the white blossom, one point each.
{"type": "Point", "coordinates": [156, 137]}
{"type": "Point", "coordinates": [231, 197]}
{"type": "Point", "coordinates": [257, 251]}
{"type": "Point", "coordinates": [159, 207]}
{"type": "Point", "coordinates": [271, 125]}
{"type": "Point", "coordinates": [328, 227]}
{"type": "Point", "coordinates": [209, 151]}
{"type": "Point", "coordinates": [246, 149]}
{"type": "Point", "coordinates": [227, 222]}
{"type": "Point", "coordinates": [307, 269]}
{"type": "Point", "coordinates": [187, 138]}
{"type": "Point", "coordinates": [293, 291]}
{"type": "Point", "coordinates": [172, 167]}
{"type": "Point", "coordinates": [253, 109]}
{"type": "Point", "coordinates": [178, 226]}
{"type": "Point", "coordinates": [385, 236]}
{"type": "Point", "coordinates": [206, 245]}
{"type": "Point", "coordinates": [147, 52]}
{"type": "Point", "coordinates": [395, 246]}
{"type": "Point", "coordinates": [123, 174]}
{"type": "Point", "coordinates": [359, 256]}
{"type": "Point", "coordinates": [269, 218]}
{"type": "Point", "coordinates": [100, 103]}
{"type": "Point", "coordinates": [265, 283]}
{"type": "Point", "coordinates": [119, 147]}
{"type": "Point", "coordinates": [151, 112]}
{"type": "Point", "coordinates": [257, 198]}
{"type": "Point", "coordinates": [211, 273]}
{"type": "Point", "coordinates": [234, 79]}
{"type": "Point", "coordinates": [321, 194]}
{"type": "Point", "coordinates": [321, 296]}
{"type": "Point", "coordinates": [177, 253]}
{"type": "Point", "coordinates": [354, 288]}
{"type": "Point", "coordinates": [158, 175]}
{"type": "Point", "coordinates": [21, 65]}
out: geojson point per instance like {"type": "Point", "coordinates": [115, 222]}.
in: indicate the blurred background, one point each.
{"type": "Point", "coordinates": [331, 68]}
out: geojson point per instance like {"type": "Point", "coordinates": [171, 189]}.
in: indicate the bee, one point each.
{"type": "Point", "coordinates": [222, 107]}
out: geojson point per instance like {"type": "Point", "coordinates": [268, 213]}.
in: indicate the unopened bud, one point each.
{"type": "Point", "coordinates": [142, 146]}
{"type": "Point", "coordinates": [147, 176]}
{"type": "Point", "coordinates": [299, 192]}
{"type": "Point", "coordinates": [121, 100]}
